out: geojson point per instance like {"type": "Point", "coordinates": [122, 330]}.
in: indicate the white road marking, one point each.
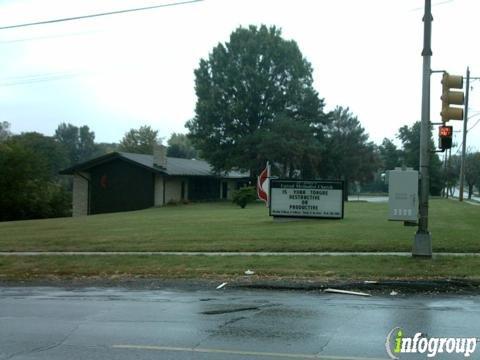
{"type": "Point", "coordinates": [239, 352]}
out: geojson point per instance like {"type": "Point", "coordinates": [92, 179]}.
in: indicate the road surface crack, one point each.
{"type": "Point", "coordinates": [337, 330]}
{"type": "Point", "coordinates": [44, 348]}
{"type": "Point", "coordinates": [226, 323]}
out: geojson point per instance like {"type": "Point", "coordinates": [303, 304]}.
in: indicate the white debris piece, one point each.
{"type": "Point", "coordinates": [338, 291]}
{"type": "Point", "coordinates": [370, 282]}
{"type": "Point", "coordinates": [393, 293]}
{"type": "Point", "coordinates": [221, 285]}
{"type": "Point", "coordinates": [249, 272]}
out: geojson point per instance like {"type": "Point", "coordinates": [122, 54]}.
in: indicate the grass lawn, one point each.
{"type": "Point", "coordinates": [455, 227]}
{"type": "Point", "coordinates": [321, 268]}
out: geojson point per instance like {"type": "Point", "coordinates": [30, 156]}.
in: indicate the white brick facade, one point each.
{"type": "Point", "coordinates": [80, 194]}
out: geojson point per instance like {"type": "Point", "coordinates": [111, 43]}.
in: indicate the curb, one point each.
{"type": "Point", "coordinates": [218, 253]}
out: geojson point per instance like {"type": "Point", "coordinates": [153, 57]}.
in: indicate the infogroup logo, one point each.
{"type": "Point", "coordinates": [397, 343]}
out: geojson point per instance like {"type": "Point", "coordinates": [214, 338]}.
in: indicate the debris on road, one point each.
{"type": "Point", "coordinates": [393, 293]}
{"type": "Point", "coordinates": [346, 292]}
{"type": "Point", "coordinates": [221, 285]}
{"type": "Point", "coordinates": [249, 272]}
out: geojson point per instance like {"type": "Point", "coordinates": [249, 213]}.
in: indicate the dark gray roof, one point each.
{"type": "Point", "coordinates": [178, 166]}
{"type": "Point", "coordinates": [175, 166]}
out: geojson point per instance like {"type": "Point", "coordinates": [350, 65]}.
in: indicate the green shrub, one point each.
{"type": "Point", "coordinates": [244, 195]}
{"type": "Point", "coordinates": [26, 188]}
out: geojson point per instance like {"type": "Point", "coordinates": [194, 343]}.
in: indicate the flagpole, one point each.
{"type": "Point", "coordinates": [268, 179]}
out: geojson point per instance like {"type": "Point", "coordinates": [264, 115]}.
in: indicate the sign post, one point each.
{"type": "Point", "coordinates": [263, 181]}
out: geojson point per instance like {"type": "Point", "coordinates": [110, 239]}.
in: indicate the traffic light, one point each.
{"type": "Point", "coordinates": [451, 97]}
{"type": "Point", "coordinates": [445, 137]}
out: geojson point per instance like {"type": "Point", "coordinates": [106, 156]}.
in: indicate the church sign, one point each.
{"type": "Point", "coordinates": [306, 198]}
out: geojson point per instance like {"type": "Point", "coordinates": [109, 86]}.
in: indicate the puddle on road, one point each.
{"type": "Point", "coordinates": [231, 310]}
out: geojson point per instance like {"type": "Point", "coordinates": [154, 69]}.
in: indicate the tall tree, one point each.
{"type": "Point", "coordinates": [243, 87]}
{"type": "Point", "coordinates": [140, 140]}
{"type": "Point", "coordinates": [292, 147]}
{"type": "Point", "coordinates": [4, 130]}
{"type": "Point", "coordinates": [349, 154]}
{"type": "Point", "coordinates": [180, 146]}
{"type": "Point", "coordinates": [79, 141]}
{"type": "Point", "coordinates": [450, 174]}
{"type": "Point", "coordinates": [472, 172]}
{"type": "Point", "coordinates": [410, 137]}
{"type": "Point", "coordinates": [390, 155]}
{"type": "Point", "coordinates": [105, 148]}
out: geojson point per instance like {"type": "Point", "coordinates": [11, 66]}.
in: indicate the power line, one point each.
{"type": "Point", "coordinates": [33, 79]}
{"type": "Point", "coordinates": [478, 121]}
{"type": "Point", "coordinates": [433, 5]}
{"type": "Point", "coordinates": [474, 125]}
{"type": "Point", "coordinates": [47, 37]}
{"type": "Point", "coordinates": [98, 15]}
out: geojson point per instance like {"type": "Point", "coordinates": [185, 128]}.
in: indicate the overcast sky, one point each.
{"type": "Point", "coordinates": [120, 72]}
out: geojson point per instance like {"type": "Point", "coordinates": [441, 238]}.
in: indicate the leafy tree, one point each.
{"type": "Point", "coordinates": [472, 172]}
{"type": "Point", "coordinates": [26, 191]}
{"type": "Point", "coordinates": [53, 153]}
{"type": "Point", "coordinates": [390, 156]}
{"type": "Point", "coordinates": [410, 137]}
{"type": "Point", "coordinates": [4, 130]}
{"type": "Point", "coordinates": [291, 146]}
{"type": "Point", "coordinates": [450, 173]}
{"type": "Point", "coordinates": [243, 87]}
{"type": "Point", "coordinates": [180, 146]}
{"type": "Point", "coordinates": [349, 154]}
{"type": "Point", "coordinates": [140, 140]}
{"type": "Point", "coordinates": [79, 142]}
{"type": "Point", "coordinates": [105, 148]}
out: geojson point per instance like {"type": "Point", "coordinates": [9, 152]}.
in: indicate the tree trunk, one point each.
{"type": "Point", "coordinates": [470, 191]}
{"type": "Point", "coordinates": [254, 174]}
{"type": "Point", "coordinates": [290, 171]}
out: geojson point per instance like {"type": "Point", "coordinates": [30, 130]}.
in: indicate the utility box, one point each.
{"type": "Point", "coordinates": [403, 195]}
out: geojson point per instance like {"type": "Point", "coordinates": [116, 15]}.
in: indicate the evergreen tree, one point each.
{"type": "Point", "coordinates": [410, 137]}
{"type": "Point", "coordinates": [349, 155]}
{"type": "Point", "coordinates": [390, 155]}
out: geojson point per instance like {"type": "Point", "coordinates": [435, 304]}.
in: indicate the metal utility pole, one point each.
{"type": "Point", "coordinates": [422, 242]}
{"type": "Point", "coordinates": [445, 168]}
{"type": "Point", "coordinates": [464, 143]}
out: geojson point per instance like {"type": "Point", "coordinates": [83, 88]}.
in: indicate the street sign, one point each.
{"type": "Point", "coordinates": [403, 195]}
{"type": "Point", "coordinates": [306, 198]}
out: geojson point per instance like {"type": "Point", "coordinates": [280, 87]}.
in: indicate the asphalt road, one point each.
{"type": "Point", "coordinates": [116, 323]}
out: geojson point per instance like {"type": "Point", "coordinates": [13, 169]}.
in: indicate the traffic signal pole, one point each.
{"type": "Point", "coordinates": [464, 143]}
{"type": "Point", "coordinates": [422, 243]}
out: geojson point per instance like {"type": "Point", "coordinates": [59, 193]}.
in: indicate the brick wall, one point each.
{"type": "Point", "coordinates": [173, 189]}
{"type": "Point", "coordinates": [80, 195]}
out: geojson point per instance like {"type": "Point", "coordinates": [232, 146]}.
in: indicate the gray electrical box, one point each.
{"type": "Point", "coordinates": [403, 195]}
